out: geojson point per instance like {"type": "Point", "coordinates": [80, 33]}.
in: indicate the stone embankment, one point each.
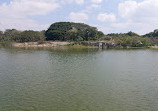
{"type": "Point", "coordinates": [99, 44]}
{"type": "Point", "coordinates": [154, 47]}
{"type": "Point", "coordinates": [38, 44]}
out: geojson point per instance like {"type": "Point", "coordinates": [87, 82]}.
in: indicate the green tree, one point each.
{"type": "Point", "coordinates": [11, 35]}
{"type": "Point", "coordinates": [1, 36]}
{"type": "Point", "coordinates": [55, 35]}
{"type": "Point", "coordinates": [31, 36]}
{"type": "Point", "coordinates": [132, 34]}
{"type": "Point", "coordinates": [72, 32]}
{"type": "Point", "coordinates": [152, 34]}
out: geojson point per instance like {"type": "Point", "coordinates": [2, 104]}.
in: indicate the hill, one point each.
{"type": "Point", "coordinates": [69, 31]}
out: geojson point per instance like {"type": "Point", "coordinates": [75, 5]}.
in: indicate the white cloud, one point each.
{"type": "Point", "coordinates": [71, 1]}
{"type": "Point", "coordinates": [141, 17]}
{"type": "Point", "coordinates": [22, 8]}
{"type": "Point", "coordinates": [78, 17]}
{"type": "Point", "coordinates": [16, 13]}
{"type": "Point", "coordinates": [104, 17]}
{"type": "Point", "coordinates": [66, 1]}
{"type": "Point", "coordinates": [91, 8]}
{"type": "Point", "coordinates": [96, 1]}
{"type": "Point", "coordinates": [127, 8]}
{"type": "Point", "coordinates": [139, 28]}
{"type": "Point", "coordinates": [21, 24]}
{"type": "Point", "coordinates": [79, 1]}
{"type": "Point", "coordinates": [104, 29]}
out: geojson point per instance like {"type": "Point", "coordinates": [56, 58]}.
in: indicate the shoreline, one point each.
{"type": "Point", "coordinates": [52, 44]}
{"type": "Point", "coordinates": [41, 44]}
{"type": "Point", "coordinates": [87, 44]}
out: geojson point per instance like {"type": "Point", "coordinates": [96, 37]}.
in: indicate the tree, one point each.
{"type": "Point", "coordinates": [69, 31]}
{"type": "Point", "coordinates": [124, 41]}
{"type": "Point", "coordinates": [1, 36]}
{"type": "Point", "coordinates": [55, 35]}
{"type": "Point", "coordinates": [152, 34]}
{"type": "Point", "coordinates": [31, 36]}
{"type": "Point", "coordinates": [11, 34]}
{"type": "Point", "coordinates": [100, 34]}
{"type": "Point", "coordinates": [132, 34]}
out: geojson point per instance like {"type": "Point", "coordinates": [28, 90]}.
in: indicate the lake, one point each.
{"type": "Point", "coordinates": [78, 80]}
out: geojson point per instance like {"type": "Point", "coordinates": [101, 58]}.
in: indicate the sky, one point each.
{"type": "Point", "coordinates": [109, 16]}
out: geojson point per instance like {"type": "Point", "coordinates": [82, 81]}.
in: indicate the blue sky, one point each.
{"type": "Point", "coordinates": [109, 16]}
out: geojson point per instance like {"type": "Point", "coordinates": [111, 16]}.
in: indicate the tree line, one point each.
{"type": "Point", "coordinates": [69, 31]}
{"type": "Point", "coordinates": [60, 31]}
{"type": "Point", "coordinates": [14, 35]}
{"type": "Point", "coordinates": [132, 39]}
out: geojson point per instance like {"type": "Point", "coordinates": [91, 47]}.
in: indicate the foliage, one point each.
{"type": "Point", "coordinates": [57, 34]}
{"type": "Point", "coordinates": [152, 34]}
{"type": "Point", "coordinates": [19, 36]}
{"type": "Point", "coordinates": [1, 35]}
{"type": "Point", "coordinates": [106, 38]}
{"type": "Point", "coordinates": [133, 41]}
{"type": "Point", "coordinates": [69, 31]}
{"type": "Point", "coordinates": [11, 35]}
{"type": "Point", "coordinates": [130, 39]}
{"type": "Point", "coordinates": [129, 34]}
{"type": "Point", "coordinates": [31, 36]}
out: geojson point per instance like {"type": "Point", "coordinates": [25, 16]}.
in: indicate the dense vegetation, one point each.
{"type": "Point", "coordinates": [69, 31]}
{"type": "Point", "coordinates": [129, 39]}
{"type": "Point", "coordinates": [152, 34]}
{"type": "Point", "coordinates": [14, 35]}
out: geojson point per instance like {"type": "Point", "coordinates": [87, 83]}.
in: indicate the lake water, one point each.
{"type": "Point", "coordinates": [78, 80]}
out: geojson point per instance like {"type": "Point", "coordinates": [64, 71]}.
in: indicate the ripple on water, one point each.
{"type": "Point", "coordinates": [82, 80]}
